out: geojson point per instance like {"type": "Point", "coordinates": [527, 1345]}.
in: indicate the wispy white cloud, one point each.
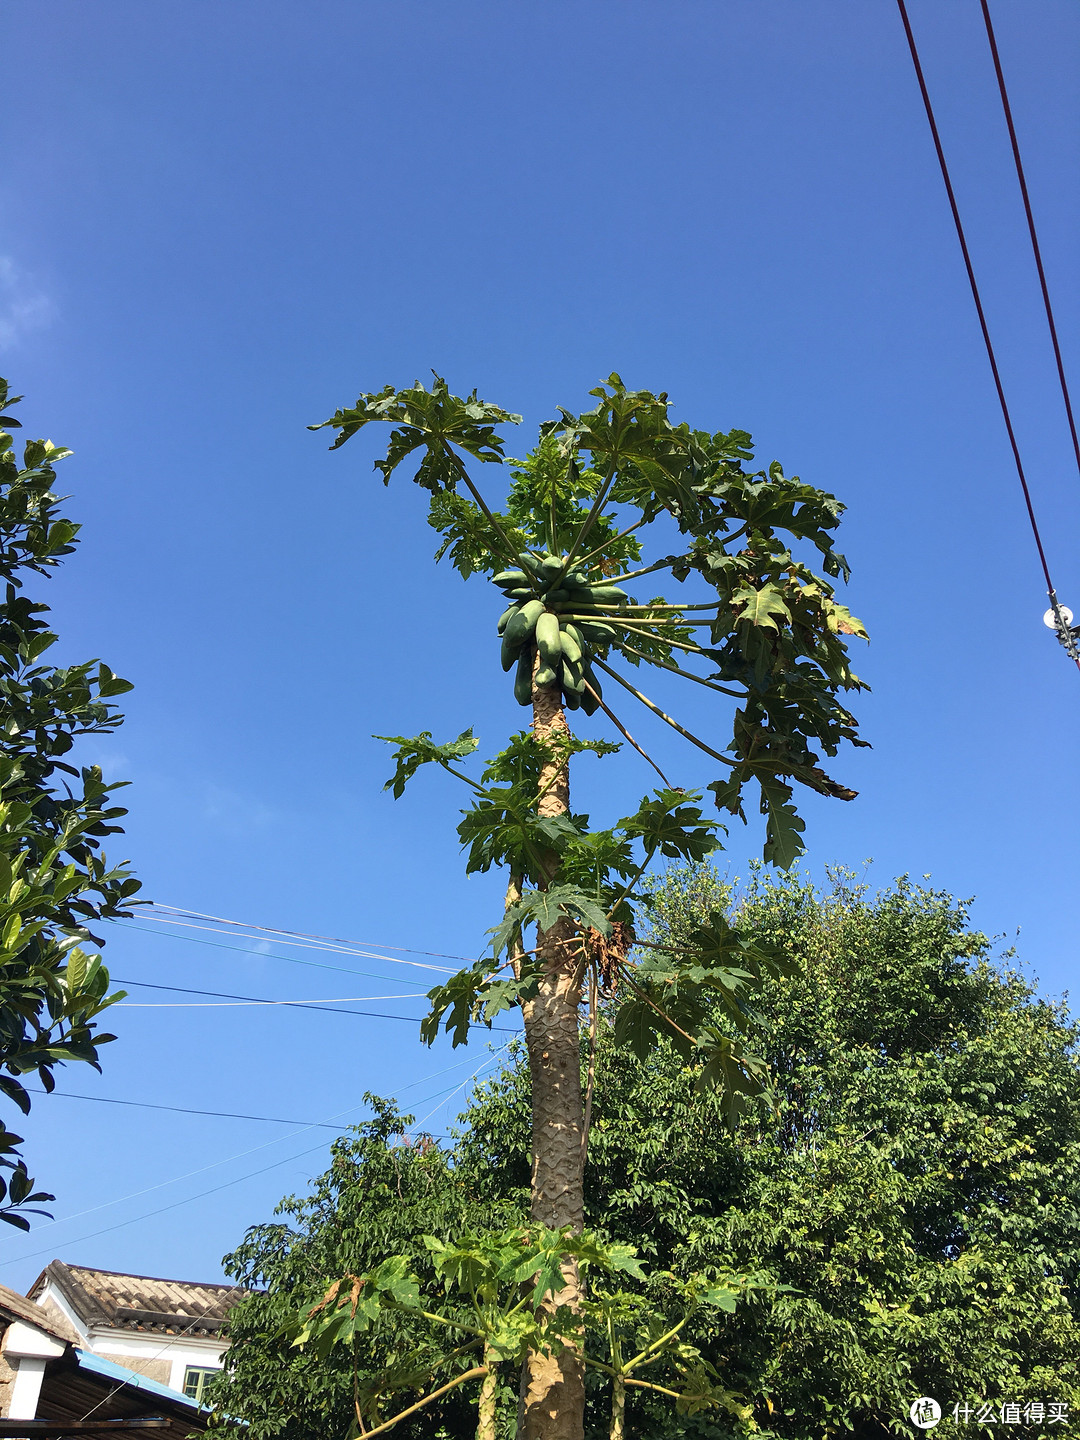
{"type": "Point", "coordinates": [24, 306]}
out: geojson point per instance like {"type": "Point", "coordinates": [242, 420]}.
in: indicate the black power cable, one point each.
{"type": "Point", "coordinates": [1063, 631]}
{"type": "Point", "coordinates": [1036, 250]}
{"type": "Point", "coordinates": [283, 1004]}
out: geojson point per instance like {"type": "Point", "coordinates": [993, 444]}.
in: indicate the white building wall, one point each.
{"type": "Point", "coordinates": [179, 1351]}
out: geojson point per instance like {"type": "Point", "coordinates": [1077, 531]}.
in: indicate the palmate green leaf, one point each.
{"type": "Point", "coordinates": [591, 859]}
{"type": "Point", "coordinates": [783, 833]}
{"type": "Point", "coordinates": [499, 830]}
{"type": "Point", "coordinates": [672, 825]}
{"type": "Point", "coordinates": [718, 943]}
{"type": "Point", "coordinates": [395, 1279]}
{"type": "Point", "coordinates": [416, 750]}
{"type": "Point", "coordinates": [473, 996]}
{"type": "Point", "coordinates": [430, 420]}
{"type": "Point", "coordinates": [761, 607]}
{"type": "Point", "coordinates": [474, 548]}
{"type": "Point", "coordinates": [734, 1072]}
{"type": "Point", "coordinates": [543, 908]}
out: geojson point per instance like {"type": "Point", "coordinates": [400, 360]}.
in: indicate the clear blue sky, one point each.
{"type": "Point", "coordinates": [222, 221]}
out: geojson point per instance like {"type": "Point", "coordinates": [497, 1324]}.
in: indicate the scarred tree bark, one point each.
{"type": "Point", "coordinates": [553, 1387]}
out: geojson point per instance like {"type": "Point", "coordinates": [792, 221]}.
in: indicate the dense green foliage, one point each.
{"type": "Point", "coordinates": [378, 1199]}
{"type": "Point", "coordinates": [54, 879]}
{"type": "Point", "coordinates": [918, 1187]}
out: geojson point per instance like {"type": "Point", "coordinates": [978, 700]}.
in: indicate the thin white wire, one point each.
{"type": "Point", "coordinates": [304, 942]}
{"type": "Point", "coordinates": [446, 1099]}
{"type": "Point", "coordinates": [135, 1220]}
{"type": "Point", "coordinates": [240, 1155]}
{"type": "Point", "coordinates": [174, 1206]}
{"type": "Point", "coordinates": [183, 911]}
{"type": "Point", "coordinates": [301, 944]}
{"type": "Point", "coordinates": [164, 1184]}
{"type": "Point", "coordinates": [231, 1004]}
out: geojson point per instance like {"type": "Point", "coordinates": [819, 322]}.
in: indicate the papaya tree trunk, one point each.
{"type": "Point", "coordinates": [553, 1386]}
{"type": "Point", "coordinates": [618, 1408]}
{"type": "Point", "coordinates": [485, 1420]}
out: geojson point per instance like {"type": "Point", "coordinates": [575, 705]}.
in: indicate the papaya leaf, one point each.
{"type": "Point", "coordinates": [416, 750]}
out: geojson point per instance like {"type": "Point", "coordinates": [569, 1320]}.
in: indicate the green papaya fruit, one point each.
{"type": "Point", "coordinates": [506, 579]}
{"type": "Point", "coordinates": [607, 594]}
{"type": "Point", "coordinates": [504, 618]}
{"type": "Point", "coordinates": [544, 676]}
{"type": "Point", "coordinates": [590, 701]}
{"type": "Point", "coordinates": [572, 645]}
{"type": "Point", "coordinates": [509, 654]}
{"type": "Point", "coordinates": [596, 630]}
{"type": "Point", "coordinates": [520, 626]}
{"type": "Point", "coordinates": [573, 677]}
{"type": "Point", "coordinates": [523, 678]}
{"type": "Point", "coordinates": [549, 639]}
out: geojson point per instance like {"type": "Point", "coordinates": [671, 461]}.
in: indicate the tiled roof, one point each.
{"type": "Point", "coordinates": [140, 1302]}
{"type": "Point", "coordinates": [14, 1306]}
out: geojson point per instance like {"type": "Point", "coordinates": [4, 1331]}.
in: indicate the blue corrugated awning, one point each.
{"type": "Point", "coordinates": [100, 1366]}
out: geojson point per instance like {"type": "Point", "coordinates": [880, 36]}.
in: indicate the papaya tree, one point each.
{"type": "Point", "coordinates": [585, 515]}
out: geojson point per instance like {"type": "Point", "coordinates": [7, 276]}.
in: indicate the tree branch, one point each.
{"type": "Point", "coordinates": [473, 1374]}
{"type": "Point", "coordinates": [623, 730]}
{"type": "Point", "coordinates": [459, 466]}
{"type": "Point", "coordinates": [686, 674]}
{"type": "Point", "coordinates": [663, 716]}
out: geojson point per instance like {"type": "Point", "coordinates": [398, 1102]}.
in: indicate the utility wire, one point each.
{"type": "Point", "coordinates": [301, 944]}
{"type": "Point", "coordinates": [184, 1110]}
{"type": "Point", "coordinates": [296, 1005]}
{"type": "Point", "coordinates": [1036, 250]}
{"type": "Point", "coordinates": [230, 1115]}
{"type": "Point", "coordinates": [243, 1004]}
{"type": "Point", "coordinates": [135, 1220]}
{"type": "Point", "coordinates": [265, 955]}
{"type": "Point", "coordinates": [303, 935]}
{"type": "Point", "coordinates": [33, 1255]}
{"type": "Point", "coordinates": [1063, 630]}
{"type": "Point", "coordinates": [293, 1004]}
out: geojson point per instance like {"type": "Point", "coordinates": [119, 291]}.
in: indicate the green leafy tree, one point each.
{"type": "Point", "coordinates": [54, 880]}
{"type": "Point", "coordinates": [759, 630]}
{"type": "Point", "coordinates": [906, 1222]}
{"type": "Point", "coordinates": [917, 1187]}
{"type": "Point", "coordinates": [378, 1200]}
{"type": "Point", "coordinates": [432, 1294]}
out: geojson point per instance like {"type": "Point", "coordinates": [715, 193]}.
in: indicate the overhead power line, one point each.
{"type": "Point", "coordinates": [176, 915]}
{"type": "Point", "coordinates": [185, 1110]}
{"type": "Point", "coordinates": [264, 955]}
{"type": "Point", "coordinates": [320, 1006]}
{"type": "Point", "coordinates": [202, 1195]}
{"type": "Point", "coordinates": [267, 1119]}
{"type": "Point", "coordinates": [1061, 623]}
{"type": "Point", "coordinates": [1032, 232]}
{"type": "Point", "coordinates": [233, 1004]}
{"type": "Point", "coordinates": [296, 1005]}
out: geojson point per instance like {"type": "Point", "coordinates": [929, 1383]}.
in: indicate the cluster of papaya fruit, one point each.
{"type": "Point", "coordinates": [557, 612]}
